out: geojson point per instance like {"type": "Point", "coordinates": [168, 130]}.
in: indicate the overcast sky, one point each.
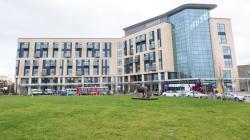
{"type": "Point", "coordinates": [101, 18]}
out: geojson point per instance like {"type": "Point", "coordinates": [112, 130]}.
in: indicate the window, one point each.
{"type": "Point", "coordinates": [119, 62]}
{"type": "Point", "coordinates": [78, 63]}
{"type": "Point", "coordinates": [27, 63]}
{"type": "Point", "coordinates": [44, 72]}
{"type": "Point", "coordinates": [222, 39]}
{"type": "Point", "coordinates": [221, 33]}
{"type": "Point", "coordinates": [55, 53]}
{"type": "Point", "coordinates": [25, 54]}
{"type": "Point", "coordinates": [67, 54]}
{"type": "Point", "coordinates": [130, 42]}
{"type": "Point", "coordinates": [34, 80]}
{"type": "Point", "coordinates": [96, 62]}
{"type": "Point", "coordinates": [52, 72]}
{"type": "Point", "coordinates": [220, 27]}
{"type": "Point", "coordinates": [17, 67]}
{"type": "Point", "coordinates": [151, 35]}
{"type": "Point", "coordinates": [61, 71]}
{"type": "Point", "coordinates": [228, 63]}
{"type": "Point", "coordinates": [86, 62]}
{"type": "Point", "coordinates": [35, 72]}
{"type": "Point", "coordinates": [45, 54]}
{"type": "Point", "coordinates": [47, 63]}
{"type": "Point", "coordinates": [61, 63]}
{"type": "Point", "coordinates": [119, 53]}
{"type": "Point", "coordinates": [55, 45]}
{"type": "Point", "coordinates": [119, 71]}
{"type": "Point", "coordinates": [106, 49]}
{"type": "Point", "coordinates": [26, 72]}
{"type": "Point", "coordinates": [95, 71]}
{"type": "Point", "coordinates": [89, 53]}
{"type": "Point", "coordinates": [78, 71]}
{"type": "Point", "coordinates": [69, 71]}
{"type": "Point", "coordinates": [226, 74]}
{"type": "Point", "coordinates": [85, 71]}
{"type": "Point", "coordinates": [226, 50]}
{"type": "Point", "coordinates": [78, 53]}
{"type": "Point", "coordinates": [69, 63]}
{"type": "Point", "coordinates": [159, 38]}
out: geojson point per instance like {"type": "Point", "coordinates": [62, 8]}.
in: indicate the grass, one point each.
{"type": "Point", "coordinates": [119, 117]}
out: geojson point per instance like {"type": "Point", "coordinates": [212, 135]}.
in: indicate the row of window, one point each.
{"type": "Point", "coordinates": [79, 71]}
{"type": "Point", "coordinates": [41, 50]}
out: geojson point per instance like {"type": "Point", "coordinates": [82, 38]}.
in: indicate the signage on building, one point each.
{"type": "Point", "coordinates": [153, 23]}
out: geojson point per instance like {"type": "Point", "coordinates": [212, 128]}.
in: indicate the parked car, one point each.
{"type": "Point", "coordinates": [230, 96]}
{"type": "Point", "coordinates": [36, 92]}
{"type": "Point", "coordinates": [62, 92]}
{"type": "Point", "coordinates": [172, 93]}
{"type": "Point", "coordinates": [195, 94]}
{"type": "Point", "coordinates": [48, 92]}
{"type": "Point", "coordinates": [71, 92]}
{"type": "Point", "coordinates": [155, 93]}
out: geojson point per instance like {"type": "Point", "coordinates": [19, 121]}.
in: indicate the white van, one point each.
{"type": "Point", "coordinates": [36, 92]}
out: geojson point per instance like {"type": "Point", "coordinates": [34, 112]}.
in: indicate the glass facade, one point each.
{"type": "Point", "coordinates": [192, 43]}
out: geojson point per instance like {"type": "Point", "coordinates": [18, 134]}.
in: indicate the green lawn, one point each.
{"type": "Point", "coordinates": [119, 117]}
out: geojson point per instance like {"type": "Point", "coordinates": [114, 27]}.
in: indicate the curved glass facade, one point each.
{"type": "Point", "coordinates": [192, 43]}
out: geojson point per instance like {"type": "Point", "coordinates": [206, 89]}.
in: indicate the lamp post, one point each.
{"type": "Point", "coordinates": [9, 84]}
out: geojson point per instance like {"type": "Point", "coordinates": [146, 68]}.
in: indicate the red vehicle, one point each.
{"type": "Point", "coordinates": [92, 90]}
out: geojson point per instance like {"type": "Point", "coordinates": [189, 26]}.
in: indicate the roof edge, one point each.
{"type": "Point", "coordinates": [174, 11]}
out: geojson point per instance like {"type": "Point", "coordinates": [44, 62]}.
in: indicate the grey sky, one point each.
{"type": "Point", "coordinates": [101, 18]}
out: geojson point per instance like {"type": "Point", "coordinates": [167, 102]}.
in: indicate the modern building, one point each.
{"type": "Point", "coordinates": [244, 74]}
{"type": "Point", "coordinates": [184, 43]}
